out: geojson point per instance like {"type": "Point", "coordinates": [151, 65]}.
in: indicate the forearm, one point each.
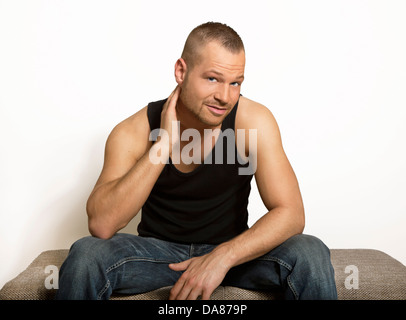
{"type": "Point", "coordinates": [112, 205]}
{"type": "Point", "coordinates": [267, 233]}
{"type": "Point", "coordinates": [203, 274]}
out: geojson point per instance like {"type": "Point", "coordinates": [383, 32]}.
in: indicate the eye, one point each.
{"type": "Point", "coordinates": [211, 79]}
{"type": "Point", "coordinates": [235, 84]}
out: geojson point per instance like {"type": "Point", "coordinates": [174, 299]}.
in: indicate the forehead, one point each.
{"type": "Point", "coordinates": [214, 56]}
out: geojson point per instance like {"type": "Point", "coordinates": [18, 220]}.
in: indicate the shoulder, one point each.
{"type": "Point", "coordinates": [134, 126]}
{"type": "Point", "coordinates": [253, 115]}
{"type": "Point", "coordinates": [131, 135]}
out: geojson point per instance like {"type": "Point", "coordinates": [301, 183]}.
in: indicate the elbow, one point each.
{"type": "Point", "coordinates": [97, 227]}
{"type": "Point", "coordinates": [301, 228]}
{"type": "Point", "coordinates": [301, 221]}
{"type": "Point", "coordinates": [97, 230]}
{"type": "Point", "coordinates": [296, 216]}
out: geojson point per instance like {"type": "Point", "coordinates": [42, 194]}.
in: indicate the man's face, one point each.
{"type": "Point", "coordinates": [212, 86]}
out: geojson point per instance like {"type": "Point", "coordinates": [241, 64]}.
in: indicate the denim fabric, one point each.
{"type": "Point", "coordinates": [128, 264]}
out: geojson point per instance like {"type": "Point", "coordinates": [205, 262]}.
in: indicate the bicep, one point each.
{"type": "Point", "coordinates": [276, 180]}
{"type": "Point", "coordinates": [127, 142]}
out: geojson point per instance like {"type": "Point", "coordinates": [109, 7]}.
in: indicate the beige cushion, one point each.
{"type": "Point", "coordinates": [221, 293]}
{"type": "Point", "coordinates": [380, 277]}
{"type": "Point", "coordinates": [30, 284]}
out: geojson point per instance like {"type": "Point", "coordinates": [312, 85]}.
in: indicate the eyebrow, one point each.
{"type": "Point", "coordinates": [240, 77]}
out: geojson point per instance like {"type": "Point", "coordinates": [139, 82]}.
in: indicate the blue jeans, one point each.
{"type": "Point", "coordinates": [128, 264]}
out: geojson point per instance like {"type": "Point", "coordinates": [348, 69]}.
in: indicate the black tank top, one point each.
{"type": "Point", "coordinates": [207, 205]}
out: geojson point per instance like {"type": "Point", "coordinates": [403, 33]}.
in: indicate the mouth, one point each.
{"type": "Point", "coordinates": [216, 110]}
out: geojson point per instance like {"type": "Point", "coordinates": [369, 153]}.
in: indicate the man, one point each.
{"type": "Point", "coordinates": [193, 234]}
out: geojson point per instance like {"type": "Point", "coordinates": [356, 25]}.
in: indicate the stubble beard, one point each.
{"type": "Point", "coordinates": [201, 113]}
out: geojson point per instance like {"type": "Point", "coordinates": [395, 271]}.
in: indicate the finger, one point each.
{"type": "Point", "coordinates": [206, 294]}
{"type": "Point", "coordinates": [180, 266]}
{"type": "Point", "coordinates": [194, 294]}
{"type": "Point", "coordinates": [173, 98]}
{"type": "Point", "coordinates": [191, 291]}
{"type": "Point", "coordinates": [176, 289]}
{"type": "Point", "coordinates": [183, 293]}
{"type": "Point", "coordinates": [174, 92]}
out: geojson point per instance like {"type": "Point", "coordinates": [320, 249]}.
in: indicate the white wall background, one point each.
{"type": "Point", "coordinates": [332, 72]}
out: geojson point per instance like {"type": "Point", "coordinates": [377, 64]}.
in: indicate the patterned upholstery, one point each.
{"type": "Point", "coordinates": [379, 277]}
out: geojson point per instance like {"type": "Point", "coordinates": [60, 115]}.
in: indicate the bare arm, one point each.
{"type": "Point", "coordinates": [279, 190]}
{"type": "Point", "coordinates": [128, 175]}
{"type": "Point", "coordinates": [280, 193]}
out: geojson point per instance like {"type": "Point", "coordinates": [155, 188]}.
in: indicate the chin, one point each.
{"type": "Point", "coordinates": [213, 121]}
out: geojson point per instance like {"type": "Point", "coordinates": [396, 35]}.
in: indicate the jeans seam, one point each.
{"type": "Point", "coordinates": [287, 266]}
{"type": "Point", "coordinates": [103, 290]}
{"type": "Point", "coordinates": [121, 262]}
{"type": "Point", "coordinates": [290, 284]}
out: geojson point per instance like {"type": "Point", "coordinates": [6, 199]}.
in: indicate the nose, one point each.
{"type": "Point", "coordinates": [223, 94]}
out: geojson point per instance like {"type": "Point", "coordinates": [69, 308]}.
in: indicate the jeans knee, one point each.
{"type": "Point", "coordinates": [84, 248]}
{"type": "Point", "coordinates": [308, 251]}
{"type": "Point", "coordinates": [313, 247]}
{"type": "Point", "coordinates": [84, 254]}
{"type": "Point", "coordinates": [314, 264]}
{"type": "Point", "coordinates": [81, 270]}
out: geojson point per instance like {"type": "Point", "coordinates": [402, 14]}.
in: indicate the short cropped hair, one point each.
{"type": "Point", "coordinates": [208, 32]}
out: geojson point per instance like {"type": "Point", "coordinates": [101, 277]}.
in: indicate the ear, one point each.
{"type": "Point", "coordinates": [180, 71]}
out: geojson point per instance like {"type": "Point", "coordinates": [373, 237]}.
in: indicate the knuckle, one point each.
{"type": "Point", "coordinates": [184, 276]}
{"type": "Point", "coordinates": [191, 282]}
{"type": "Point", "coordinates": [206, 288]}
